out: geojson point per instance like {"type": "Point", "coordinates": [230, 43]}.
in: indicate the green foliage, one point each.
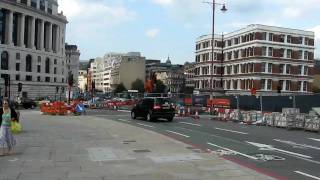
{"type": "Point", "coordinates": [160, 87]}
{"type": "Point", "coordinates": [120, 88]}
{"type": "Point", "coordinates": [138, 84]}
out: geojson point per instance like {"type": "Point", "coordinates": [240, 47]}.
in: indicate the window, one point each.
{"type": "Point", "coordinates": [62, 80]}
{"type": "Point", "coordinates": [300, 55]}
{"type": "Point", "coordinates": [264, 36]}
{"type": "Point", "coordinates": [55, 61]}
{"type": "Point", "coordinates": [263, 67]}
{"type": "Point", "coordinates": [38, 78]}
{"type": "Point", "coordinates": [47, 66]}
{"type": "Point", "coordinates": [34, 3]}
{"type": "Point", "coordinates": [28, 78]}
{"type": "Point", "coordinates": [289, 53]}
{"type": "Point", "coordinates": [4, 60]}
{"type": "Point", "coordinates": [55, 70]}
{"type": "Point", "coordinates": [47, 79]}
{"type": "Point", "coordinates": [28, 63]}
{"type": "Point", "coordinates": [305, 55]}
{"type": "Point", "coordinates": [304, 85]}
{"type": "Point", "coordinates": [54, 79]}
{"type": "Point", "coordinates": [17, 77]}
{"type": "Point", "coordinates": [288, 69]}
{"type": "Point", "coordinates": [300, 40]}
{"type": "Point", "coordinates": [236, 54]}
{"type": "Point", "coordinates": [269, 84]}
{"type": "Point", "coordinates": [262, 83]}
{"type": "Point", "coordinates": [288, 85]}
{"type": "Point", "coordinates": [17, 66]}
{"type": "Point", "coordinates": [270, 67]}
{"type": "Point", "coordinates": [39, 68]}
{"type": "Point", "coordinates": [281, 68]}
{"type": "Point", "coordinates": [281, 85]}
{"type": "Point", "coordinates": [305, 71]}
{"type": "Point", "coordinates": [299, 85]}
{"type": "Point", "coordinates": [24, 2]}
{"type": "Point", "coordinates": [270, 53]}
{"type": "Point", "coordinates": [281, 53]}
{"type": "Point", "coordinates": [42, 6]}
{"type": "Point", "coordinates": [306, 41]}
{"type": "Point", "coordinates": [39, 59]}
{"type": "Point", "coordinates": [270, 36]}
{"type": "Point", "coordinates": [235, 68]}
{"type": "Point", "coordinates": [281, 38]}
{"type": "Point", "coordinates": [300, 69]}
{"type": "Point", "coordinates": [288, 39]}
{"type": "Point", "coordinates": [17, 56]}
{"type": "Point", "coordinates": [264, 51]}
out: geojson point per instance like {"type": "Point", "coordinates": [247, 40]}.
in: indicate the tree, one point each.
{"type": "Point", "coordinates": [160, 87]}
{"type": "Point", "coordinates": [138, 85]}
{"type": "Point", "coordinates": [120, 88]}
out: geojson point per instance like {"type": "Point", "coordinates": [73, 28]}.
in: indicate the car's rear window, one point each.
{"type": "Point", "coordinates": [161, 101]}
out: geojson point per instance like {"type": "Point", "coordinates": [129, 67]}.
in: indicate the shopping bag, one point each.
{"type": "Point", "coordinates": [16, 127]}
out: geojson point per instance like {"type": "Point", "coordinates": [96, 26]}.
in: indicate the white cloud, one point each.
{"type": "Point", "coordinates": [152, 33]}
{"type": "Point", "coordinates": [316, 30]}
{"type": "Point", "coordinates": [163, 2]}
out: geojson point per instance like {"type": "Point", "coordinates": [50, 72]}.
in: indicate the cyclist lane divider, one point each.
{"type": "Point", "coordinates": [233, 151]}
{"type": "Point", "coordinates": [307, 175]}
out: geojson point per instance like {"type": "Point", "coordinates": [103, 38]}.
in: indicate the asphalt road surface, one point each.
{"type": "Point", "coordinates": [276, 152]}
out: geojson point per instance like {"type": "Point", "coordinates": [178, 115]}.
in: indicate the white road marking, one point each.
{"type": "Point", "coordinates": [315, 139]}
{"type": "Point", "coordinates": [145, 125]}
{"type": "Point", "coordinates": [308, 175]}
{"type": "Point", "coordinates": [178, 133]}
{"type": "Point", "coordinates": [270, 147]}
{"type": "Point", "coordinates": [231, 131]}
{"type": "Point", "coordinates": [199, 125]}
{"type": "Point", "coordinates": [236, 152]}
{"type": "Point", "coordinates": [124, 120]}
{"type": "Point", "coordinates": [123, 110]}
{"type": "Point", "coordinates": [296, 144]}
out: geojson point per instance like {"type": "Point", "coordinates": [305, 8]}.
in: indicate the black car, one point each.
{"type": "Point", "coordinates": [154, 108]}
{"type": "Point", "coordinates": [28, 103]}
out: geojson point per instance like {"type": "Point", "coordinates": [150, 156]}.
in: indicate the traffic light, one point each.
{"type": "Point", "coordinates": [19, 87]}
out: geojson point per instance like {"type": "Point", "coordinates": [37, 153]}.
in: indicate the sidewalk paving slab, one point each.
{"type": "Point", "coordinates": [92, 148]}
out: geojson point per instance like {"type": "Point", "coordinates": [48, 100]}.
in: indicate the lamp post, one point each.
{"type": "Point", "coordinates": [223, 9]}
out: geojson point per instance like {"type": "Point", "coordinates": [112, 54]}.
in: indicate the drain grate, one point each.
{"type": "Point", "coordinates": [141, 151]}
{"type": "Point", "coordinates": [129, 141]}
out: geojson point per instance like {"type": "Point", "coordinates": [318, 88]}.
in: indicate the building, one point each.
{"type": "Point", "coordinates": [32, 39]}
{"type": "Point", "coordinates": [171, 75]}
{"type": "Point", "coordinates": [316, 82]}
{"type": "Point", "coordinates": [189, 74]}
{"type": "Point", "coordinates": [72, 61]}
{"type": "Point", "coordinates": [83, 80]}
{"type": "Point", "coordinates": [116, 68]}
{"type": "Point", "coordinates": [266, 58]}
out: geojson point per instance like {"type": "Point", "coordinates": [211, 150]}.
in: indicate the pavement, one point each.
{"type": "Point", "coordinates": [95, 148]}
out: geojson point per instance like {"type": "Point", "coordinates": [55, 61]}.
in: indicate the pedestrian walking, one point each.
{"type": "Point", "coordinates": [7, 140]}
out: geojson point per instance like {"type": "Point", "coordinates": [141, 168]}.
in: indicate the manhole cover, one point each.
{"type": "Point", "coordinates": [141, 151]}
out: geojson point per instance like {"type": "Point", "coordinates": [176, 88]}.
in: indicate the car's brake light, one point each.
{"type": "Point", "coordinates": [156, 107]}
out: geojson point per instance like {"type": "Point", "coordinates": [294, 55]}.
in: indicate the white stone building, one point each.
{"type": "Point", "coordinates": [32, 46]}
{"type": "Point", "coordinates": [82, 80]}
{"type": "Point", "coordinates": [116, 68]}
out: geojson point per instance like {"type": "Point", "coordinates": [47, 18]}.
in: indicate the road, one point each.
{"type": "Point", "coordinates": [276, 152]}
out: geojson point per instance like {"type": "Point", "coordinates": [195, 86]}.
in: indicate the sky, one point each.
{"type": "Point", "coordinates": [162, 28]}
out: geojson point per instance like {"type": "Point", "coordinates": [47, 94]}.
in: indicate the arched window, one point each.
{"type": "Point", "coordinates": [47, 64]}
{"type": "Point", "coordinates": [28, 63]}
{"type": "Point", "coordinates": [4, 60]}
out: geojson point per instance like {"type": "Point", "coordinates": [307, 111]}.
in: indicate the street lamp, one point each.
{"type": "Point", "coordinates": [223, 9]}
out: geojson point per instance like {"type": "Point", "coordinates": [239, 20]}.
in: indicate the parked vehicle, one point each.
{"type": "Point", "coordinates": [152, 108]}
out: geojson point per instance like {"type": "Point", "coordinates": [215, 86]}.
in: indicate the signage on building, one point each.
{"type": "Point", "coordinates": [219, 103]}
{"type": "Point", "coordinates": [196, 92]}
